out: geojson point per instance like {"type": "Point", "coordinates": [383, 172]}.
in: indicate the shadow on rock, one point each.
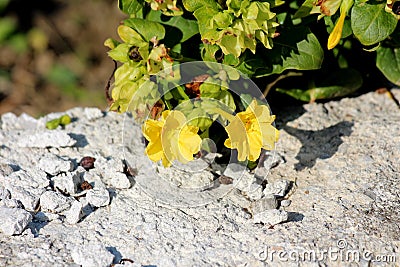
{"type": "Point", "coordinates": [116, 253]}
{"type": "Point", "coordinates": [321, 144]}
{"type": "Point", "coordinates": [295, 217]}
{"type": "Point", "coordinates": [36, 226]}
{"type": "Point", "coordinates": [81, 140]}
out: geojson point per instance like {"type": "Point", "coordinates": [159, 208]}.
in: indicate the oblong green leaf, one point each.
{"type": "Point", "coordinates": [388, 62]}
{"type": "Point", "coordinates": [147, 29]}
{"type": "Point", "coordinates": [336, 84]}
{"type": "Point", "coordinates": [187, 27]}
{"type": "Point", "coordinates": [297, 49]}
{"type": "Point", "coordinates": [130, 6]}
{"type": "Point", "coordinates": [192, 5]}
{"type": "Point", "coordinates": [371, 23]}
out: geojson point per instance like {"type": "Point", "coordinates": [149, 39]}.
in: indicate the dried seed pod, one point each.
{"type": "Point", "coordinates": [87, 163]}
{"type": "Point", "coordinates": [85, 186]}
{"type": "Point", "coordinates": [225, 179]}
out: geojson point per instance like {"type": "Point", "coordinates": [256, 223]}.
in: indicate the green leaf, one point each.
{"type": "Point", "coordinates": [336, 84]}
{"type": "Point", "coordinates": [210, 89]}
{"type": "Point", "coordinates": [208, 52]}
{"type": "Point", "coordinates": [230, 45]}
{"type": "Point", "coordinates": [388, 62]}
{"type": "Point", "coordinates": [371, 23]}
{"type": "Point", "coordinates": [120, 53]}
{"type": "Point", "coordinates": [130, 6]}
{"type": "Point", "coordinates": [227, 98]}
{"type": "Point", "coordinates": [304, 55]}
{"type": "Point", "coordinates": [186, 27]}
{"type": "Point", "coordinates": [147, 29]}
{"type": "Point", "coordinates": [129, 35]}
{"type": "Point", "coordinates": [297, 49]}
{"type": "Point", "coordinates": [192, 5]}
{"type": "Point", "coordinates": [65, 119]}
{"type": "Point", "coordinates": [305, 9]}
{"type": "Point", "coordinates": [53, 124]}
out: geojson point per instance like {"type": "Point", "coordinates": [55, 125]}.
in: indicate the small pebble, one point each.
{"type": "Point", "coordinates": [29, 197]}
{"type": "Point", "coordinates": [92, 255]}
{"type": "Point", "coordinates": [54, 165]}
{"type": "Point", "coordinates": [238, 199]}
{"type": "Point", "coordinates": [68, 183]}
{"type": "Point", "coordinates": [109, 166]}
{"type": "Point", "coordinates": [55, 202]}
{"type": "Point", "coordinates": [235, 170]}
{"type": "Point", "coordinates": [277, 188]}
{"type": "Point", "coordinates": [263, 204]}
{"type": "Point", "coordinates": [286, 202]}
{"type": "Point", "coordinates": [242, 179]}
{"type": "Point", "coordinates": [13, 221]}
{"type": "Point", "coordinates": [271, 217]}
{"type": "Point", "coordinates": [254, 192]}
{"type": "Point", "coordinates": [98, 197]}
{"type": "Point", "coordinates": [32, 178]}
{"type": "Point", "coordinates": [272, 159]}
{"type": "Point", "coordinates": [74, 214]}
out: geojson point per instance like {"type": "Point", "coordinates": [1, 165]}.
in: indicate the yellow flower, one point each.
{"type": "Point", "coordinates": [336, 34]}
{"type": "Point", "coordinates": [171, 138]}
{"type": "Point", "coordinates": [251, 130]}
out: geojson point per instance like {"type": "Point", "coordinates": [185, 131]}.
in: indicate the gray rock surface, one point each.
{"type": "Point", "coordinates": [45, 138]}
{"type": "Point", "coordinates": [277, 188]}
{"type": "Point", "coordinates": [75, 213]}
{"type": "Point", "coordinates": [270, 217]}
{"type": "Point", "coordinates": [13, 220]}
{"type": "Point", "coordinates": [341, 157]}
{"type": "Point", "coordinates": [68, 182]}
{"type": "Point", "coordinates": [53, 164]}
{"type": "Point", "coordinates": [55, 202]}
{"type": "Point", "coordinates": [98, 196]}
{"type": "Point", "coordinates": [92, 255]}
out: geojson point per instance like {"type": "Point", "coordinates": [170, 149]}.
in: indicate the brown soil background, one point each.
{"type": "Point", "coordinates": [75, 32]}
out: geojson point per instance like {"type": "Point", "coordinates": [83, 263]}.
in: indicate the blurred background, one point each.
{"type": "Point", "coordinates": [52, 55]}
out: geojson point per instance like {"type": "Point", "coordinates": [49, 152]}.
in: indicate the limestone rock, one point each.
{"type": "Point", "coordinates": [13, 221]}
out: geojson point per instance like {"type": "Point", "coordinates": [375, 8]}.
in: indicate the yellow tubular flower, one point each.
{"type": "Point", "coordinates": [336, 33]}
{"type": "Point", "coordinates": [171, 138]}
{"type": "Point", "coordinates": [250, 131]}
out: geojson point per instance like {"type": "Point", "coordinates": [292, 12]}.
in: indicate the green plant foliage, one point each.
{"type": "Point", "coordinates": [336, 84]}
{"type": "Point", "coordinates": [259, 38]}
{"type": "Point", "coordinates": [388, 62]}
{"type": "Point", "coordinates": [61, 121]}
{"type": "Point", "coordinates": [371, 23]}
